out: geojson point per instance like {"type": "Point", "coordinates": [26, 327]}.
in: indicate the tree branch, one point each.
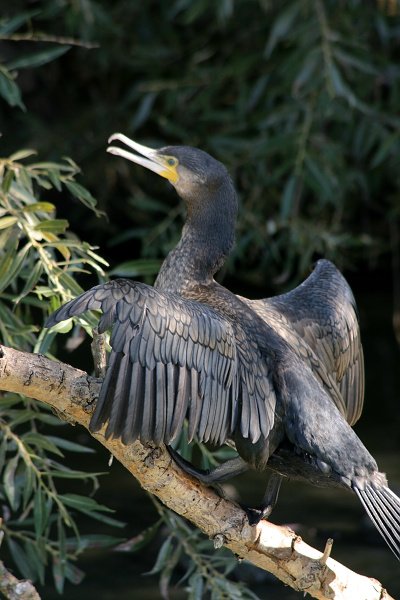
{"type": "Point", "coordinates": [275, 549]}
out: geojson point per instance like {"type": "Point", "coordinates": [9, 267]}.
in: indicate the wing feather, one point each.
{"type": "Point", "coordinates": [174, 359]}
{"type": "Point", "coordinates": [319, 320]}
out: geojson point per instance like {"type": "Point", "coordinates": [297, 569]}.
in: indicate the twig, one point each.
{"type": "Point", "coordinates": [44, 37]}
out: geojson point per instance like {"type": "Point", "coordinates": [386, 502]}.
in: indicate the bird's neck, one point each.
{"type": "Point", "coordinates": [208, 236]}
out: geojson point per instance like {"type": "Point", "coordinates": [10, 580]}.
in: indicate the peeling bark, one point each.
{"type": "Point", "coordinates": [272, 548]}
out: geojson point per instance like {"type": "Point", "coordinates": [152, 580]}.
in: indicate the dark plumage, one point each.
{"type": "Point", "coordinates": [282, 377]}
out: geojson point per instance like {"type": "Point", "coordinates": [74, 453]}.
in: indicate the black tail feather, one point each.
{"type": "Point", "coordinates": [383, 508]}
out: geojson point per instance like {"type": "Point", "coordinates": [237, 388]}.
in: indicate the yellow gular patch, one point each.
{"type": "Point", "coordinates": [171, 174]}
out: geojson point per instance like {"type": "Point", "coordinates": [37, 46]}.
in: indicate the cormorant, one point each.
{"type": "Point", "coordinates": [282, 378]}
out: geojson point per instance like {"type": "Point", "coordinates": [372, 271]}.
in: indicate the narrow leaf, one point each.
{"type": "Point", "coordinates": [21, 154]}
{"type": "Point", "coordinates": [7, 222]}
{"type": "Point", "coordinates": [9, 25]}
{"type": "Point", "coordinates": [52, 226]}
{"type": "Point", "coordinates": [39, 512]}
{"type": "Point", "coordinates": [37, 59]}
{"type": "Point", "coordinates": [40, 207]}
{"type": "Point", "coordinates": [20, 558]}
{"type": "Point", "coordinates": [282, 26]}
{"type": "Point", "coordinates": [141, 540]}
{"type": "Point", "coordinates": [9, 89]}
{"type": "Point", "coordinates": [9, 482]}
{"type": "Point", "coordinates": [71, 446]}
{"type": "Point", "coordinates": [162, 557]}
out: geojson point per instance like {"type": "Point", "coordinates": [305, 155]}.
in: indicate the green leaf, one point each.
{"type": "Point", "coordinates": [49, 419]}
{"type": "Point", "coordinates": [36, 560]}
{"type": "Point", "coordinates": [40, 207]}
{"type": "Point", "coordinates": [52, 226]}
{"type": "Point", "coordinates": [28, 485]}
{"type": "Point", "coordinates": [21, 559]}
{"type": "Point", "coordinates": [136, 268]}
{"type": "Point", "coordinates": [168, 570]}
{"type": "Point", "coordinates": [39, 512]}
{"type": "Point", "coordinates": [196, 587]}
{"type": "Point", "coordinates": [282, 26]}
{"type": "Point", "coordinates": [3, 452]}
{"type": "Point", "coordinates": [93, 542]}
{"type": "Point", "coordinates": [353, 61]}
{"type": "Point", "coordinates": [72, 474]}
{"type": "Point", "coordinates": [21, 154]}
{"type": "Point", "coordinates": [14, 268]}
{"type": "Point", "coordinates": [9, 482]}
{"type": "Point", "coordinates": [306, 73]}
{"type": "Point", "coordinates": [144, 109]}
{"type": "Point", "coordinates": [9, 89]}
{"type": "Point", "coordinates": [162, 557]}
{"type": "Point", "coordinates": [103, 518]}
{"type": "Point", "coordinates": [6, 222]}
{"type": "Point", "coordinates": [141, 540]}
{"type": "Point", "coordinates": [82, 194]}
{"type": "Point", "coordinates": [83, 503]}
{"type": "Point", "coordinates": [40, 441]}
{"type": "Point", "coordinates": [73, 574]}
{"type": "Point", "coordinates": [31, 281]}
{"type": "Point", "coordinates": [37, 59]}
{"type": "Point", "coordinates": [58, 567]}
{"type": "Point", "coordinates": [288, 197]}
{"type": "Point", "coordinates": [70, 284]}
{"type": "Point", "coordinates": [7, 181]}
{"type": "Point", "coordinates": [63, 326]}
{"type": "Point", "coordinates": [9, 25]}
{"type": "Point", "coordinates": [71, 446]}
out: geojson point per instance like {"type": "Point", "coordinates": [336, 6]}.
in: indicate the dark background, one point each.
{"type": "Point", "coordinates": [301, 101]}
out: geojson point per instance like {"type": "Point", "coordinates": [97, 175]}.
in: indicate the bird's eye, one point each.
{"type": "Point", "coordinates": [171, 162]}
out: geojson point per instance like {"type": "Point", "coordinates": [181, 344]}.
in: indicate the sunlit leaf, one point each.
{"type": "Point", "coordinates": [40, 206]}
{"type": "Point", "coordinates": [21, 154]}
{"type": "Point", "coordinates": [6, 222]}
{"type": "Point", "coordinates": [52, 226]}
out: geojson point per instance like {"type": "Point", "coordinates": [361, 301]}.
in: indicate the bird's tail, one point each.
{"type": "Point", "coordinates": [383, 508]}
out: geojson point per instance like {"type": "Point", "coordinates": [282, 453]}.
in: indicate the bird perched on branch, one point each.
{"type": "Point", "coordinates": [282, 377]}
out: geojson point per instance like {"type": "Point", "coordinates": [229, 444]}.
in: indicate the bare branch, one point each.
{"type": "Point", "coordinates": [44, 37]}
{"type": "Point", "coordinates": [275, 549]}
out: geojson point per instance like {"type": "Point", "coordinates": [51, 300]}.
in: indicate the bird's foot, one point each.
{"type": "Point", "coordinates": [255, 515]}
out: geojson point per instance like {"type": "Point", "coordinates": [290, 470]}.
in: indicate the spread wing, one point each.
{"type": "Point", "coordinates": [321, 314]}
{"type": "Point", "coordinates": [172, 359]}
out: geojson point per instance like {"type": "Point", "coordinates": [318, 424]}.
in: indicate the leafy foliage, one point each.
{"type": "Point", "coordinates": [298, 98]}
{"type": "Point", "coordinates": [206, 573]}
{"type": "Point", "coordinates": [38, 254]}
{"type": "Point", "coordinates": [39, 522]}
{"type": "Point", "coordinates": [40, 260]}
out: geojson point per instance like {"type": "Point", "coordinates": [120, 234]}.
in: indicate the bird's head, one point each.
{"type": "Point", "coordinates": [190, 170]}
